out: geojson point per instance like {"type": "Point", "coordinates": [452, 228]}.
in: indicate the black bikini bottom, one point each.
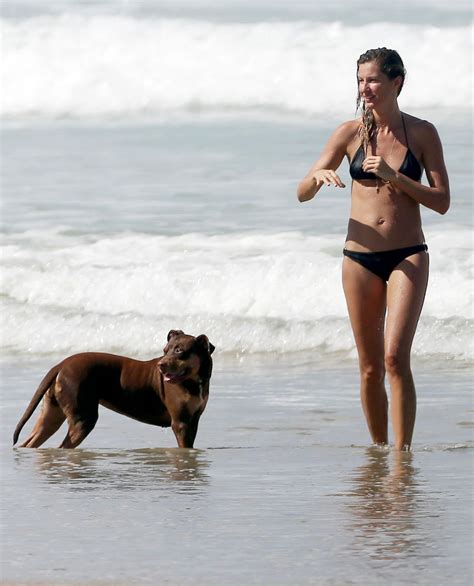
{"type": "Point", "coordinates": [383, 263]}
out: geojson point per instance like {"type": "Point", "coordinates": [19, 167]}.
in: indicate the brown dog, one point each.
{"type": "Point", "coordinates": [167, 391]}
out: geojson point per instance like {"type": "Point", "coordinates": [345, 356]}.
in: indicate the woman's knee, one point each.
{"type": "Point", "coordinates": [372, 374]}
{"type": "Point", "coordinates": [397, 364]}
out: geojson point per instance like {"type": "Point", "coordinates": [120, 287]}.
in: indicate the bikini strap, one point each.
{"type": "Point", "coordinates": [405, 130]}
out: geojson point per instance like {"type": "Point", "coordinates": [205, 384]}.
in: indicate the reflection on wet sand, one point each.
{"type": "Point", "coordinates": [146, 469]}
{"type": "Point", "coordinates": [386, 505]}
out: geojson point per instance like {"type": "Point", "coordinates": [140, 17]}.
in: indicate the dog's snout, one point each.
{"type": "Point", "coordinates": [169, 366]}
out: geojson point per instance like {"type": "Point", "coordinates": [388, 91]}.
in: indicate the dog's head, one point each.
{"type": "Point", "coordinates": [186, 358]}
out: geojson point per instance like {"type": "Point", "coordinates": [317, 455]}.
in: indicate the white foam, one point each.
{"type": "Point", "coordinates": [250, 293]}
{"type": "Point", "coordinates": [108, 65]}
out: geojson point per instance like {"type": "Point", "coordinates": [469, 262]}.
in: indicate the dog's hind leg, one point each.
{"type": "Point", "coordinates": [81, 406]}
{"type": "Point", "coordinates": [50, 419]}
{"type": "Point", "coordinates": [78, 430]}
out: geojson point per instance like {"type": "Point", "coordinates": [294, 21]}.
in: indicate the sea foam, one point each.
{"type": "Point", "coordinates": [249, 293]}
{"type": "Point", "coordinates": [72, 65]}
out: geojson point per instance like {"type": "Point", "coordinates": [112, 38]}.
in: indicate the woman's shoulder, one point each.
{"type": "Point", "coordinates": [350, 126]}
{"type": "Point", "coordinates": [422, 134]}
{"type": "Point", "coordinates": [348, 131]}
{"type": "Point", "coordinates": [419, 124]}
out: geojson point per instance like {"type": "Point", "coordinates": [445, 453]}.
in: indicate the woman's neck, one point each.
{"type": "Point", "coordinates": [388, 119]}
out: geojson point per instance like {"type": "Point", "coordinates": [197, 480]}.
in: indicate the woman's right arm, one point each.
{"type": "Point", "coordinates": [324, 169]}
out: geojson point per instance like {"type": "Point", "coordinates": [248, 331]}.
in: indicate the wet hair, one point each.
{"type": "Point", "coordinates": [391, 64]}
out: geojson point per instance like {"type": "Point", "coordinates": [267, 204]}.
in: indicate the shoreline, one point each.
{"type": "Point", "coordinates": [322, 401]}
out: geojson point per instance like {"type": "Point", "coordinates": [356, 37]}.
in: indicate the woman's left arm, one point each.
{"type": "Point", "coordinates": [436, 196]}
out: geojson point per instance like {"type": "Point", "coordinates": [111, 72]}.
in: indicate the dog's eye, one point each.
{"type": "Point", "coordinates": [182, 353]}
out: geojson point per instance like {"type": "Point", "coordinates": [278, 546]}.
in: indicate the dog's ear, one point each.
{"type": "Point", "coordinates": [204, 341]}
{"type": "Point", "coordinates": [173, 333]}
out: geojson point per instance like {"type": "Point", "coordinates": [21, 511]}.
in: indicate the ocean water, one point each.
{"type": "Point", "coordinates": [150, 156]}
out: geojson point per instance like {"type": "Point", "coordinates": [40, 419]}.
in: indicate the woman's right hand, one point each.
{"type": "Point", "coordinates": [326, 176]}
{"type": "Point", "coordinates": [311, 184]}
{"type": "Point", "coordinates": [323, 170]}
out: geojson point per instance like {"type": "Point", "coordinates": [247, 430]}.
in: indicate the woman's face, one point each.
{"type": "Point", "coordinates": [375, 88]}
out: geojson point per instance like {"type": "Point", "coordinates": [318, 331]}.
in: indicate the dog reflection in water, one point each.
{"type": "Point", "coordinates": [123, 470]}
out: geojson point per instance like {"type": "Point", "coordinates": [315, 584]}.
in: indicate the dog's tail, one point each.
{"type": "Point", "coordinates": [35, 401]}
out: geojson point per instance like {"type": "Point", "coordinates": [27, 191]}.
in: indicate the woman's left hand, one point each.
{"type": "Point", "coordinates": [379, 167]}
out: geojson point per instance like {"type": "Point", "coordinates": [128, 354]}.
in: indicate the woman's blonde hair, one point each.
{"type": "Point", "coordinates": [391, 65]}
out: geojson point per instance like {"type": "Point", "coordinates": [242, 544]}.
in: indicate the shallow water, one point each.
{"type": "Point", "coordinates": [282, 489]}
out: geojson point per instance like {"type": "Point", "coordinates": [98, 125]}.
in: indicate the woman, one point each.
{"type": "Point", "coordinates": [385, 266]}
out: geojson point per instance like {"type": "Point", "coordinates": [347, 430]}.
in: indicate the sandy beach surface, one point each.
{"type": "Point", "coordinates": [283, 488]}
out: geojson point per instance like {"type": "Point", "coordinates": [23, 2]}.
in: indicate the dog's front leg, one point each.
{"type": "Point", "coordinates": [185, 432]}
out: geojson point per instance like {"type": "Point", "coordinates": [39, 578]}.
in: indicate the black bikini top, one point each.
{"type": "Point", "coordinates": [410, 166]}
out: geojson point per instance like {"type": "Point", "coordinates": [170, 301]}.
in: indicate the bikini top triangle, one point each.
{"type": "Point", "coordinates": [410, 166]}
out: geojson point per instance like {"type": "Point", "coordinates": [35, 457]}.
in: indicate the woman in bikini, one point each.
{"type": "Point", "coordinates": [385, 267]}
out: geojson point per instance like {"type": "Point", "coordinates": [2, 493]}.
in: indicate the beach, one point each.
{"type": "Point", "coordinates": [155, 189]}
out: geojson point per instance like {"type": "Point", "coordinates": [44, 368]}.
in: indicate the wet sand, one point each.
{"type": "Point", "coordinates": [283, 488]}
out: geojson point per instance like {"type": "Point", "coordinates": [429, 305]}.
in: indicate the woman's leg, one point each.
{"type": "Point", "coordinates": [366, 302]}
{"type": "Point", "coordinates": [405, 295]}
